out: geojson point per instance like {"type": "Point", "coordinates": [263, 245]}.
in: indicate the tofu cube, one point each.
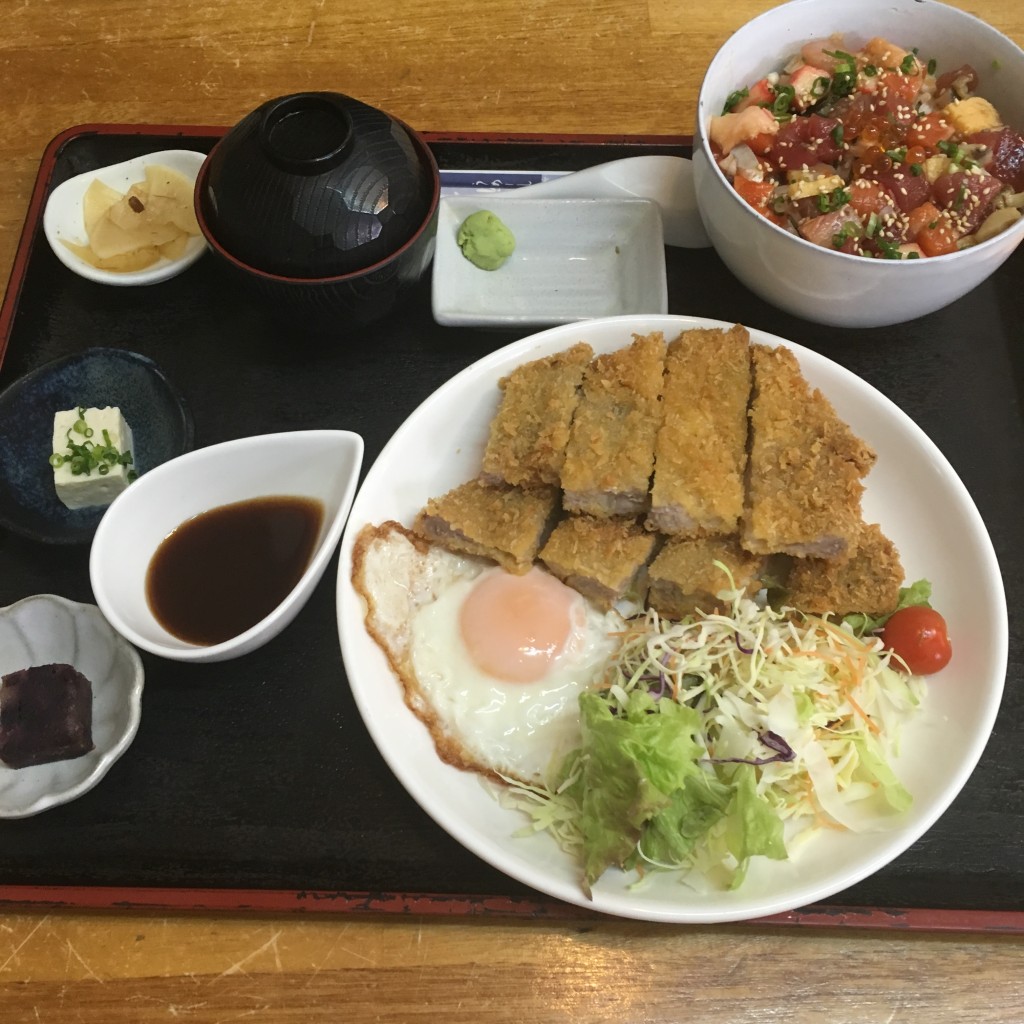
{"type": "Point", "coordinates": [85, 490]}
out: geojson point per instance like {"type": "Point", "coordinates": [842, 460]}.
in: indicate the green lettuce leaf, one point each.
{"type": "Point", "coordinates": [918, 593]}
{"type": "Point", "coordinates": [671, 835]}
{"type": "Point", "coordinates": [752, 827]}
{"type": "Point", "coordinates": [873, 766]}
{"type": "Point", "coordinates": [633, 763]}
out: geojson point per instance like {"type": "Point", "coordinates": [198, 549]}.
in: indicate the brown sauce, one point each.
{"type": "Point", "coordinates": [224, 570]}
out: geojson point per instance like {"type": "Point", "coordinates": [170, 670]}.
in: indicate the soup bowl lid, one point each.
{"type": "Point", "coordinates": [316, 185]}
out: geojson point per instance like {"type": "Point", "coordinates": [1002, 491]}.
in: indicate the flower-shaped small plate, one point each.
{"type": "Point", "coordinates": [46, 629]}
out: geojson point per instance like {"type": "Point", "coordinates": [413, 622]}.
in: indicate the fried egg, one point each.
{"type": "Point", "coordinates": [491, 662]}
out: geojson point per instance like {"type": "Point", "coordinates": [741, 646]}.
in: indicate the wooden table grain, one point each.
{"type": "Point", "coordinates": [576, 66]}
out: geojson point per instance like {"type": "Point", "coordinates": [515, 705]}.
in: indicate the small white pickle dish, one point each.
{"type": "Point", "coordinates": [574, 259]}
{"type": "Point", "coordinates": [322, 465]}
{"type": "Point", "coordinates": [45, 630]}
{"type": "Point", "coordinates": [64, 217]}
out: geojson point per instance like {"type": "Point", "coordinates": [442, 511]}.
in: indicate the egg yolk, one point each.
{"type": "Point", "coordinates": [514, 627]}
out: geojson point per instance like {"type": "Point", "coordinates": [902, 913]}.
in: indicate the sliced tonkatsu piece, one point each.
{"type": "Point", "coordinates": [869, 581]}
{"type": "Point", "coordinates": [805, 469]}
{"type": "Point", "coordinates": [528, 435]}
{"type": "Point", "coordinates": [506, 524]}
{"type": "Point", "coordinates": [684, 577]}
{"type": "Point", "coordinates": [610, 455]}
{"type": "Point", "coordinates": [604, 559]}
{"type": "Point", "coordinates": [701, 451]}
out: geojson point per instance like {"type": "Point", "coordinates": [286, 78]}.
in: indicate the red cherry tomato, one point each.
{"type": "Point", "coordinates": [918, 636]}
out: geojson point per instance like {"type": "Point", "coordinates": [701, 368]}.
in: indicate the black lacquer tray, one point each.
{"type": "Point", "coordinates": [253, 784]}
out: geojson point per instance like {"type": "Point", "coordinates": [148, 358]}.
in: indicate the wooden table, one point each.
{"type": "Point", "coordinates": [601, 66]}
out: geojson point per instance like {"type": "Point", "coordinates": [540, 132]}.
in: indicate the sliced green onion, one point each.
{"type": "Point", "coordinates": [83, 457]}
{"type": "Point", "coordinates": [781, 105]}
{"type": "Point", "coordinates": [890, 250]}
{"type": "Point", "coordinates": [734, 98]}
{"type": "Point", "coordinates": [840, 238]}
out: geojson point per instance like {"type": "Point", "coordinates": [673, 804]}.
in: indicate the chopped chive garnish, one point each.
{"type": "Point", "coordinates": [783, 102]}
{"type": "Point", "coordinates": [840, 238]}
{"type": "Point", "coordinates": [844, 76]}
{"type": "Point", "coordinates": [833, 200]}
{"type": "Point", "coordinates": [84, 457]}
{"type": "Point", "coordinates": [908, 64]}
{"type": "Point", "coordinates": [932, 65]}
{"type": "Point", "coordinates": [734, 98]}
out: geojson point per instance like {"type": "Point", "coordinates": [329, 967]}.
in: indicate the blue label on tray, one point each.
{"type": "Point", "coordinates": [454, 183]}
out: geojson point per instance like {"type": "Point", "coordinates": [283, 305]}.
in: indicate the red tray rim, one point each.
{"type": "Point", "coordinates": [165, 899]}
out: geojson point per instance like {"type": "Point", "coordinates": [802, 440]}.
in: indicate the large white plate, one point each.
{"type": "Point", "coordinates": [912, 492]}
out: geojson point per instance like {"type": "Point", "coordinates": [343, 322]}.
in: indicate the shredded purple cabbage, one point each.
{"type": "Point", "coordinates": [772, 740]}
{"type": "Point", "coordinates": [742, 649]}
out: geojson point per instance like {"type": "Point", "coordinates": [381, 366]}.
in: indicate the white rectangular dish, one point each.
{"type": "Point", "coordinates": [574, 259]}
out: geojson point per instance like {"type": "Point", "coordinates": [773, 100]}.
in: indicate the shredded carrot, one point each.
{"type": "Point", "coordinates": [847, 638]}
{"type": "Point", "coordinates": [868, 720]}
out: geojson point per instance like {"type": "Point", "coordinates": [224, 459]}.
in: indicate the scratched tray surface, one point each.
{"type": "Point", "coordinates": [258, 773]}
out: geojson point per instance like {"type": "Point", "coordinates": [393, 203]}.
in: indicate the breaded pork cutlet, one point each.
{"type": "Point", "coordinates": [701, 451]}
{"type": "Point", "coordinates": [505, 524]}
{"type": "Point", "coordinates": [604, 559]}
{"type": "Point", "coordinates": [610, 455]}
{"type": "Point", "coordinates": [528, 435]}
{"type": "Point", "coordinates": [869, 581]}
{"type": "Point", "coordinates": [805, 469]}
{"type": "Point", "coordinates": [684, 576]}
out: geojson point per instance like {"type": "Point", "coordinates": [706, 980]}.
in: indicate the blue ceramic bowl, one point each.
{"type": "Point", "coordinates": [160, 420]}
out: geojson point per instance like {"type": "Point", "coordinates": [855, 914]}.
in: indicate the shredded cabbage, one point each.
{"type": "Point", "coordinates": [727, 736]}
